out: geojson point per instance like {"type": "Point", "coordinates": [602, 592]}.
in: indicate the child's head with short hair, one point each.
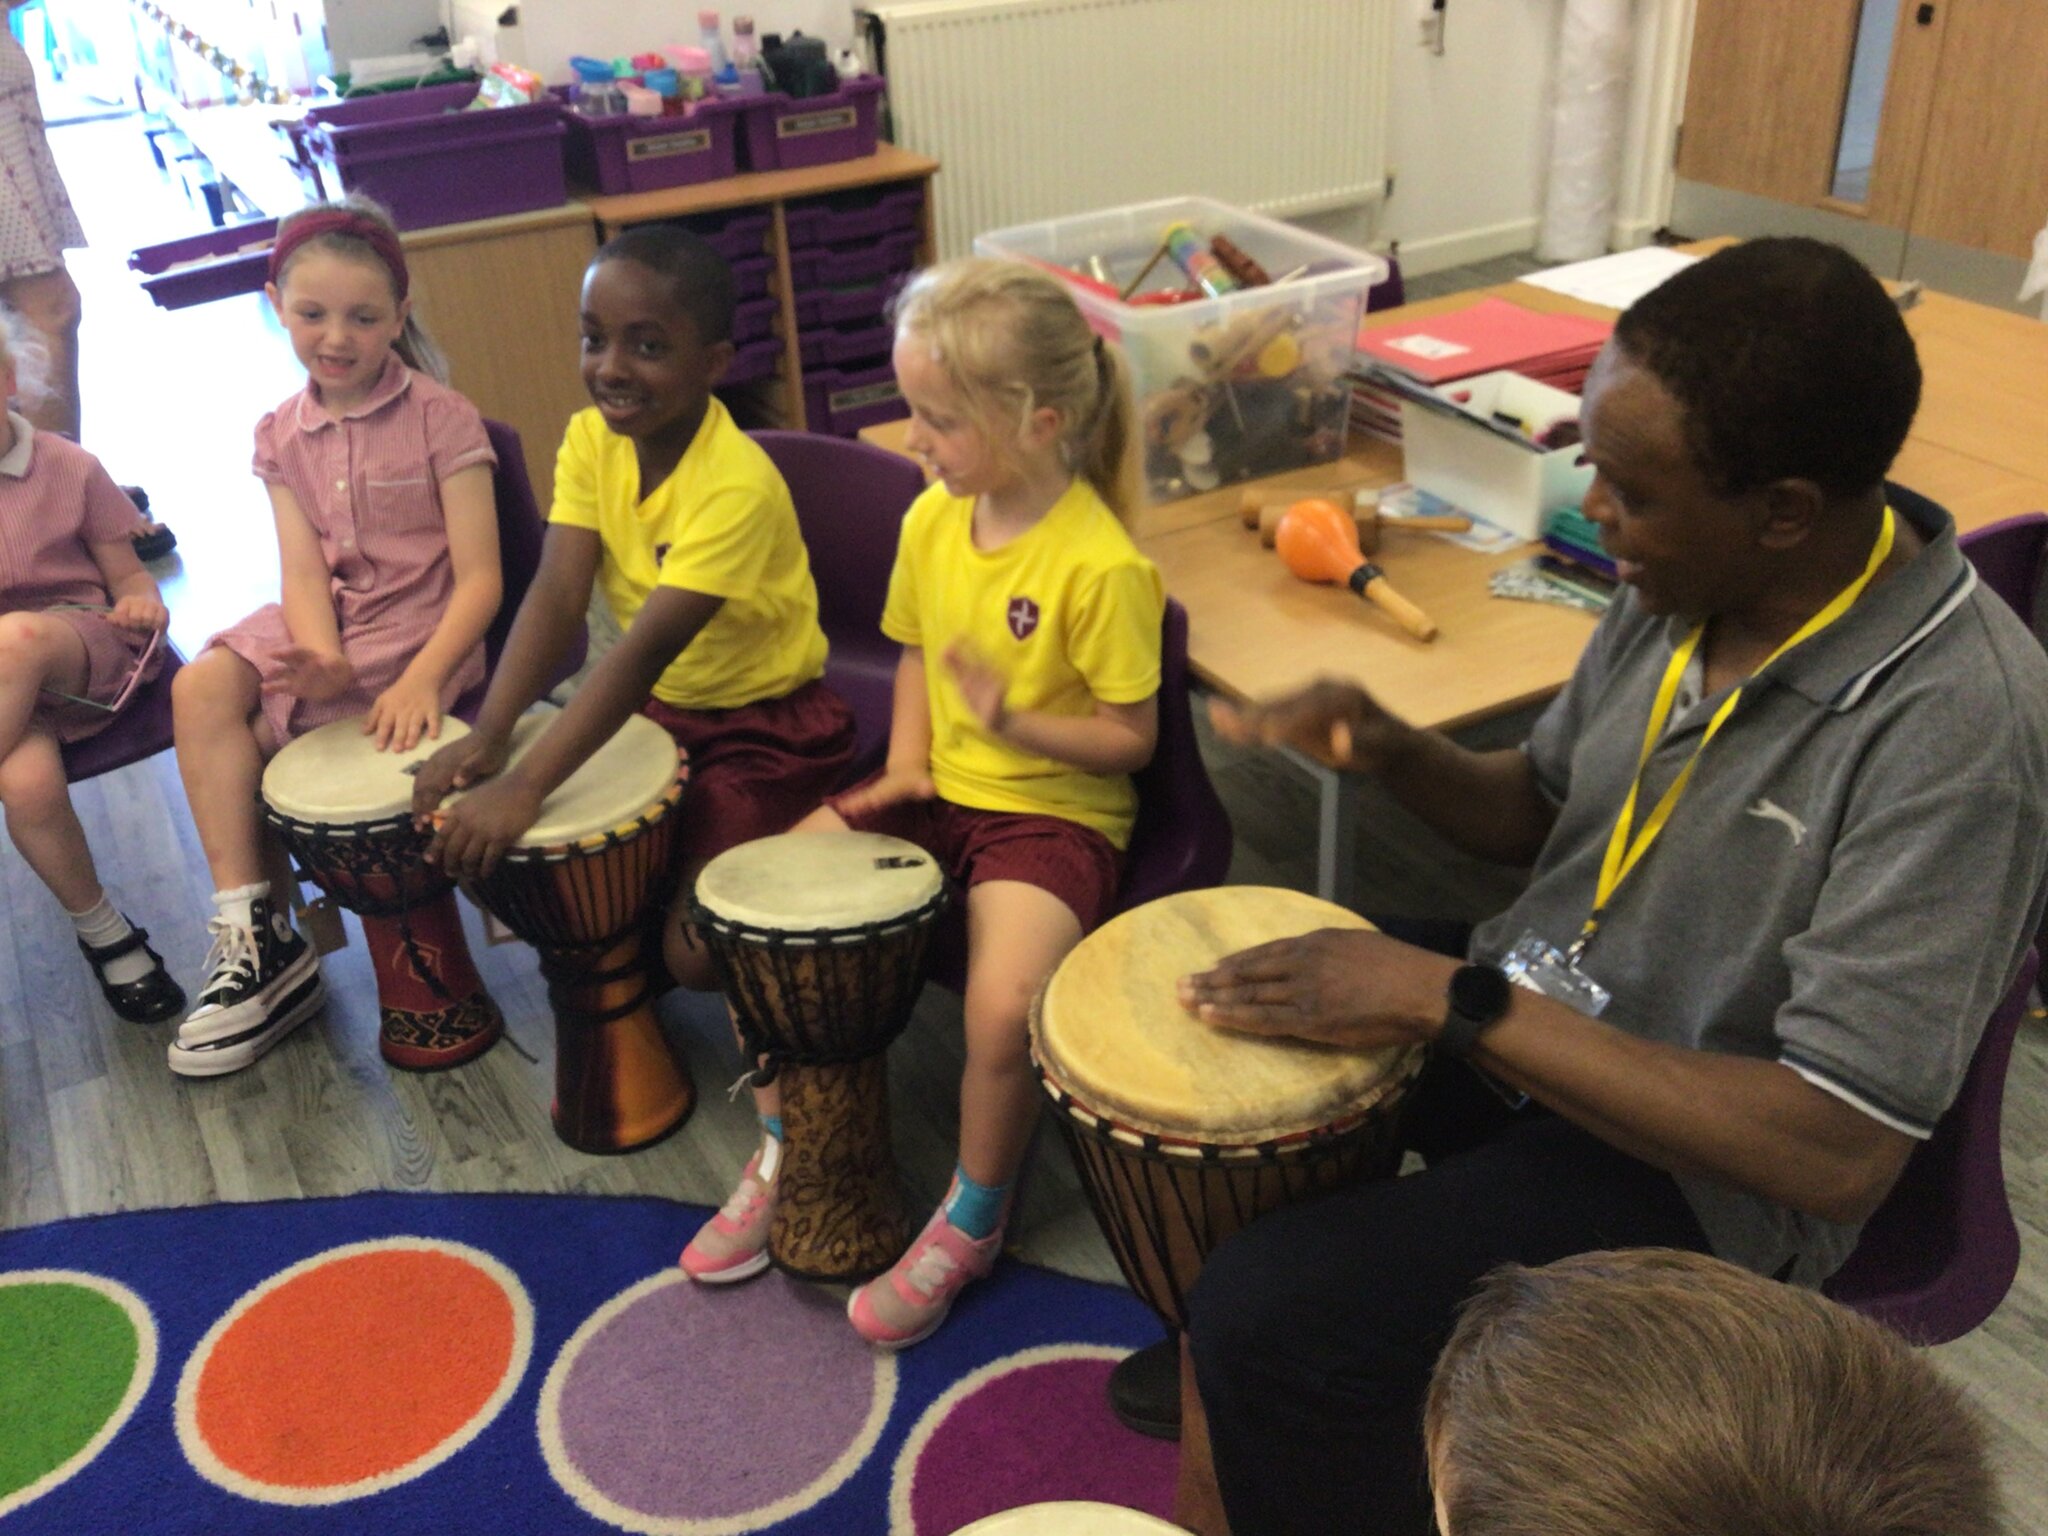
{"type": "Point", "coordinates": [1024, 371]}
{"type": "Point", "coordinates": [338, 280]}
{"type": "Point", "coordinates": [1651, 1392]}
{"type": "Point", "coordinates": [657, 329]}
{"type": "Point", "coordinates": [23, 360]}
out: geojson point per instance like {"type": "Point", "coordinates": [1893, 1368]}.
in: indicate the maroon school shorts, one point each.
{"type": "Point", "coordinates": [1075, 863]}
{"type": "Point", "coordinates": [756, 770]}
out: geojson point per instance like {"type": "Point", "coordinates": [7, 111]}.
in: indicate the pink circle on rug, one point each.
{"type": "Point", "coordinates": [1033, 1428]}
{"type": "Point", "coordinates": [692, 1409]}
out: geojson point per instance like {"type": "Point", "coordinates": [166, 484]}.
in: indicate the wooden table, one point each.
{"type": "Point", "coordinates": [1978, 447]}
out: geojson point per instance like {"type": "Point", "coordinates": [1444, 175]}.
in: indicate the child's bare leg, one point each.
{"type": "Point", "coordinates": [223, 743]}
{"type": "Point", "coordinates": [1016, 935]}
{"type": "Point", "coordinates": [36, 651]}
{"type": "Point", "coordinates": [42, 823]}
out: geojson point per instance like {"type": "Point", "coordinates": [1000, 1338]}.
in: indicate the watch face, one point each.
{"type": "Point", "coordinates": [1480, 992]}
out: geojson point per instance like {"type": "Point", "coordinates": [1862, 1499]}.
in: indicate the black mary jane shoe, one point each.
{"type": "Point", "coordinates": [150, 999]}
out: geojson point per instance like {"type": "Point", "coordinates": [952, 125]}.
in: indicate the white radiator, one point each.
{"type": "Point", "coordinates": [1038, 108]}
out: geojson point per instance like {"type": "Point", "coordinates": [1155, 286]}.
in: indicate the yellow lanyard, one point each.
{"type": "Point", "coordinates": [1623, 855]}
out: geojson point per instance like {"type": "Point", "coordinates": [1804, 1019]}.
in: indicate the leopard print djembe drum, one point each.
{"type": "Point", "coordinates": [344, 810]}
{"type": "Point", "coordinates": [821, 937]}
{"type": "Point", "coordinates": [1183, 1132]}
{"type": "Point", "coordinates": [579, 886]}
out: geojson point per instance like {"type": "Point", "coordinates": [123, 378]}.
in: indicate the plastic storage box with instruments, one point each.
{"type": "Point", "coordinates": [1230, 387]}
{"type": "Point", "coordinates": [1481, 452]}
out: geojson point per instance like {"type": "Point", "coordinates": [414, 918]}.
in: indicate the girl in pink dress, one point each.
{"type": "Point", "coordinates": [380, 481]}
{"type": "Point", "coordinates": [81, 623]}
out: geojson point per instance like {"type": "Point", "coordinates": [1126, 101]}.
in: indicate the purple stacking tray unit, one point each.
{"type": "Point", "coordinates": [753, 360]}
{"type": "Point", "coordinates": [850, 344]}
{"type": "Point", "coordinates": [736, 235]}
{"type": "Point", "coordinates": [430, 162]}
{"type": "Point", "coordinates": [837, 266]}
{"type": "Point", "coordinates": [784, 133]}
{"type": "Point", "coordinates": [645, 154]}
{"type": "Point", "coordinates": [201, 268]}
{"type": "Point", "coordinates": [842, 306]}
{"type": "Point", "coordinates": [843, 400]}
{"type": "Point", "coordinates": [866, 213]}
{"type": "Point", "coordinates": [754, 320]}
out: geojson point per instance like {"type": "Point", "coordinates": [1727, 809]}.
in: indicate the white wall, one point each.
{"type": "Point", "coordinates": [1468, 138]}
{"type": "Point", "coordinates": [549, 31]}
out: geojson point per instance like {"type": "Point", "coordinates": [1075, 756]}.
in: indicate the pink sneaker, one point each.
{"type": "Point", "coordinates": [906, 1305]}
{"type": "Point", "coordinates": [733, 1245]}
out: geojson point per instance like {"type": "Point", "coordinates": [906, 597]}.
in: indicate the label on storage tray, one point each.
{"type": "Point", "coordinates": [804, 123]}
{"type": "Point", "coordinates": [867, 394]}
{"type": "Point", "coordinates": [663, 145]}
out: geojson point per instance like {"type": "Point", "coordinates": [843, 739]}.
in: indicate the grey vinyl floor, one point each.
{"type": "Point", "coordinates": [91, 1121]}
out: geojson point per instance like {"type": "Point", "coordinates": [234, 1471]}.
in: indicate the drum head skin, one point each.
{"type": "Point", "coordinates": [1070, 1519]}
{"type": "Point", "coordinates": [335, 776]}
{"type": "Point", "coordinates": [1110, 1030]}
{"type": "Point", "coordinates": [608, 792]}
{"type": "Point", "coordinates": [804, 882]}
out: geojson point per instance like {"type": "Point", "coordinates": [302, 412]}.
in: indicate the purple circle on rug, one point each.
{"type": "Point", "coordinates": [1033, 1428]}
{"type": "Point", "coordinates": [672, 1405]}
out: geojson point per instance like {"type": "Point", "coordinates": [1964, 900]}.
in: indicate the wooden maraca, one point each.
{"type": "Point", "coordinates": [1319, 542]}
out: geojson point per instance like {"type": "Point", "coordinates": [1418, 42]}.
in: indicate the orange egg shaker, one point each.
{"type": "Point", "coordinates": [1319, 542]}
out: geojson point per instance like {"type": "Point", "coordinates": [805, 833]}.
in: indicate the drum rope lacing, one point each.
{"type": "Point", "coordinates": [765, 970]}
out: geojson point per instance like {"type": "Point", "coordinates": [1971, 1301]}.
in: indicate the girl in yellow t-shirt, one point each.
{"type": "Point", "coordinates": [1025, 699]}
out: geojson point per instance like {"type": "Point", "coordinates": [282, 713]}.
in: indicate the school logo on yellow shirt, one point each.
{"type": "Point", "coordinates": [1023, 617]}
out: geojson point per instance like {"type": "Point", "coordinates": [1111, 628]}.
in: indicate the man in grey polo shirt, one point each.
{"type": "Point", "coordinates": [1787, 832]}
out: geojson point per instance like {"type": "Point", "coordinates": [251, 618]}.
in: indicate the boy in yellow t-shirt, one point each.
{"type": "Point", "coordinates": [687, 528]}
{"type": "Point", "coordinates": [1026, 698]}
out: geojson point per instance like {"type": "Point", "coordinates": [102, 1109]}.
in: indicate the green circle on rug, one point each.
{"type": "Point", "coordinates": [67, 1358]}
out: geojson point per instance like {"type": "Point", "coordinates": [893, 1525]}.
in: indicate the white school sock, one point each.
{"type": "Point", "coordinates": [235, 905]}
{"type": "Point", "coordinates": [101, 926]}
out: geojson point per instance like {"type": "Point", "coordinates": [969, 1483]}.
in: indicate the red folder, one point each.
{"type": "Point", "coordinates": [1487, 334]}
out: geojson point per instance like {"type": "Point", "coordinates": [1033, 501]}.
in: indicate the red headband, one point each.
{"type": "Point", "coordinates": [341, 221]}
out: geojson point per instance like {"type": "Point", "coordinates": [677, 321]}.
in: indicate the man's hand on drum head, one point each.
{"type": "Point", "coordinates": [475, 832]}
{"type": "Point", "coordinates": [1337, 986]}
{"type": "Point", "coordinates": [403, 713]}
{"type": "Point", "coordinates": [458, 765]}
{"type": "Point", "coordinates": [1335, 723]}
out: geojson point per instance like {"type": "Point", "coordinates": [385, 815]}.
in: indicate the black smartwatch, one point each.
{"type": "Point", "coordinates": [1477, 997]}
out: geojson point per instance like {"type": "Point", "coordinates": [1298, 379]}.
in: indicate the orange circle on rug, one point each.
{"type": "Point", "coordinates": [355, 1370]}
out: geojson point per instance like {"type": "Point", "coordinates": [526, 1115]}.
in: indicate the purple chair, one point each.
{"type": "Point", "coordinates": [520, 534]}
{"type": "Point", "coordinates": [2008, 556]}
{"type": "Point", "coordinates": [1940, 1253]}
{"type": "Point", "coordinates": [141, 730]}
{"type": "Point", "coordinates": [850, 499]}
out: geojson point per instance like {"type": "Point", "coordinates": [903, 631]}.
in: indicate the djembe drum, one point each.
{"type": "Point", "coordinates": [578, 887]}
{"type": "Point", "coordinates": [1183, 1132]}
{"type": "Point", "coordinates": [344, 810]}
{"type": "Point", "coordinates": [820, 938]}
{"type": "Point", "coordinates": [1070, 1517]}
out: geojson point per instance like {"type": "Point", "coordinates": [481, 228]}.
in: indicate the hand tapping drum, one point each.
{"type": "Point", "coordinates": [344, 810]}
{"type": "Point", "coordinates": [1183, 1132]}
{"type": "Point", "coordinates": [821, 938]}
{"type": "Point", "coordinates": [578, 887]}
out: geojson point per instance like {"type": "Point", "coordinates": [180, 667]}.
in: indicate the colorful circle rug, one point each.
{"type": "Point", "coordinates": [524, 1364]}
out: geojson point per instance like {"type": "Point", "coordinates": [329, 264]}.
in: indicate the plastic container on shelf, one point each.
{"type": "Point", "coordinates": [643, 154]}
{"type": "Point", "coordinates": [1229, 388]}
{"type": "Point", "coordinates": [753, 360]}
{"type": "Point", "coordinates": [695, 68]}
{"type": "Point", "coordinates": [201, 268]}
{"type": "Point", "coordinates": [835, 266]}
{"type": "Point", "coordinates": [754, 319]}
{"type": "Point", "coordinates": [863, 214]}
{"type": "Point", "coordinates": [430, 162]}
{"type": "Point", "coordinates": [833, 346]}
{"type": "Point", "coordinates": [739, 234]}
{"type": "Point", "coordinates": [840, 306]}
{"type": "Point", "coordinates": [784, 133]}
{"type": "Point", "coordinates": [750, 277]}
{"type": "Point", "coordinates": [843, 400]}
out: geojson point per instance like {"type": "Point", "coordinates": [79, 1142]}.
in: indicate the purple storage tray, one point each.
{"type": "Point", "coordinates": [783, 133]}
{"type": "Point", "coordinates": [853, 345]}
{"type": "Point", "coordinates": [208, 267]}
{"type": "Point", "coordinates": [843, 400]}
{"type": "Point", "coordinates": [645, 154]}
{"type": "Point", "coordinates": [861, 215]}
{"type": "Point", "coordinates": [750, 277]}
{"type": "Point", "coordinates": [430, 163]}
{"type": "Point", "coordinates": [755, 360]}
{"type": "Point", "coordinates": [754, 319]}
{"type": "Point", "coordinates": [838, 306]}
{"type": "Point", "coordinates": [735, 236]}
{"type": "Point", "coordinates": [835, 266]}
